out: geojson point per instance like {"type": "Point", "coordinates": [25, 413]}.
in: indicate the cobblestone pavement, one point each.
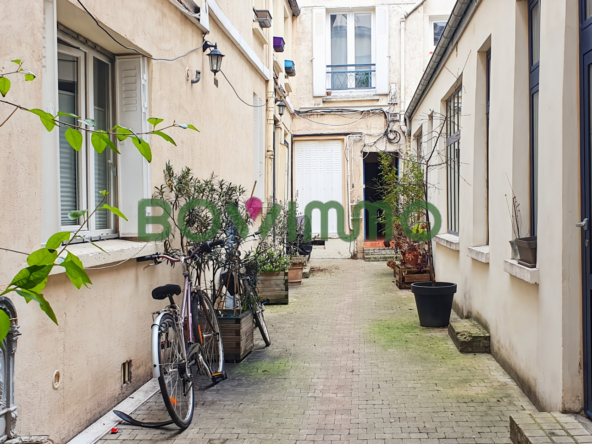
{"type": "Point", "coordinates": [348, 362]}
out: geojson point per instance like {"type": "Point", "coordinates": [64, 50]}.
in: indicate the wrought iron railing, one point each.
{"type": "Point", "coordinates": [343, 77]}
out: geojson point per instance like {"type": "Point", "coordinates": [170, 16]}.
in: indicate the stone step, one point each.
{"type": "Point", "coordinates": [547, 428]}
{"type": "Point", "coordinates": [469, 336]}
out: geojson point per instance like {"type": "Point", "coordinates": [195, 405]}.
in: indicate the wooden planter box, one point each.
{"type": "Point", "coordinates": [405, 275]}
{"type": "Point", "coordinates": [273, 286]}
{"type": "Point", "coordinates": [237, 335]}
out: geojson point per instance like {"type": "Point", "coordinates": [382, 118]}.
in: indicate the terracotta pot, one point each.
{"type": "Point", "coordinates": [411, 258]}
{"type": "Point", "coordinates": [295, 275]}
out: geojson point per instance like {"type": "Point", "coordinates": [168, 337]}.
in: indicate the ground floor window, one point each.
{"type": "Point", "coordinates": [453, 113]}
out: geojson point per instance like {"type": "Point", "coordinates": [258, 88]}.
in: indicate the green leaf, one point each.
{"type": "Point", "coordinates": [76, 214]}
{"type": "Point", "coordinates": [104, 192]}
{"type": "Point", "coordinates": [74, 138]}
{"type": "Point", "coordinates": [29, 77]}
{"type": "Point", "coordinates": [143, 148]}
{"type": "Point", "coordinates": [193, 128]}
{"type": "Point", "coordinates": [60, 113]}
{"type": "Point", "coordinates": [155, 121]}
{"type": "Point", "coordinates": [4, 86]}
{"type": "Point", "coordinates": [100, 140]}
{"type": "Point", "coordinates": [122, 133]}
{"type": "Point", "coordinates": [54, 242]}
{"type": "Point", "coordinates": [17, 61]}
{"type": "Point", "coordinates": [43, 256]}
{"type": "Point", "coordinates": [75, 271]}
{"type": "Point", "coordinates": [42, 303]}
{"type": "Point", "coordinates": [89, 122]}
{"type": "Point", "coordinates": [46, 118]}
{"type": "Point", "coordinates": [39, 288]}
{"type": "Point", "coordinates": [99, 247]}
{"type": "Point", "coordinates": [114, 210]}
{"type": "Point", "coordinates": [164, 136]}
{"type": "Point", "coordinates": [4, 325]}
{"type": "Point", "coordinates": [32, 276]}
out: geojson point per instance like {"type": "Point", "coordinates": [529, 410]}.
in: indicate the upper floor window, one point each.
{"type": "Point", "coordinates": [437, 26]}
{"type": "Point", "coordinates": [350, 51]}
{"type": "Point", "coordinates": [85, 89]}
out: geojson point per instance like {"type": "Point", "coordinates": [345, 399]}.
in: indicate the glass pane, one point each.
{"type": "Point", "coordinates": [339, 51]}
{"type": "Point", "coordinates": [535, 161]}
{"type": "Point", "coordinates": [101, 114]}
{"type": "Point", "coordinates": [438, 30]}
{"type": "Point", "coordinates": [588, 9]}
{"type": "Point", "coordinates": [68, 103]}
{"type": "Point", "coordinates": [535, 33]}
{"type": "Point", "coordinates": [363, 49]}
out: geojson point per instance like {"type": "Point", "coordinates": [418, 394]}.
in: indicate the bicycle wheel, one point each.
{"type": "Point", "coordinates": [206, 331]}
{"type": "Point", "coordinates": [175, 382]}
{"type": "Point", "coordinates": [258, 309]}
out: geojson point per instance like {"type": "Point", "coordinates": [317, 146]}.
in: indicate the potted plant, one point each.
{"type": "Point", "coordinates": [524, 249]}
{"type": "Point", "coordinates": [407, 194]}
{"type": "Point", "coordinates": [272, 283]}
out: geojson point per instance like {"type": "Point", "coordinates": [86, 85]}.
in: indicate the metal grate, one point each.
{"type": "Point", "coordinates": [343, 77]}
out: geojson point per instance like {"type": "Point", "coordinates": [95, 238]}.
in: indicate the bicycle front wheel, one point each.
{"type": "Point", "coordinates": [207, 332]}
{"type": "Point", "coordinates": [174, 377]}
{"type": "Point", "coordinates": [258, 309]}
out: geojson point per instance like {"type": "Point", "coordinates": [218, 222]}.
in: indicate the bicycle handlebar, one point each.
{"type": "Point", "coordinates": [205, 247]}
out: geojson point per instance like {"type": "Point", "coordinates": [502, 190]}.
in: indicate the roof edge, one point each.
{"type": "Point", "coordinates": [459, 18]}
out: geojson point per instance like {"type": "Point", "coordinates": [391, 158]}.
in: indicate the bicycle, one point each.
{"type": "Point", "coordinates": [245, 289]}
{"type": "Point", "coordinates": [186, 340]}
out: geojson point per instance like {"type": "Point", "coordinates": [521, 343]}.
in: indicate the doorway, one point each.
{"type": "Point", "coordinates": [373, 194]}
{"type": "Point", "coordinates": [586, 184]}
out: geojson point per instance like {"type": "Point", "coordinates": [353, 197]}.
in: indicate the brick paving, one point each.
{"type": "Point", "coordinates": [350, 363]}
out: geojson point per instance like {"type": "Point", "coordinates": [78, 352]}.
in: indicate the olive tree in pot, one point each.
{"type": "Point", "coordinates": [433, 298]}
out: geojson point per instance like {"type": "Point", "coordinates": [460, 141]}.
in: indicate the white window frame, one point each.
{"type": "Point", "coordinates": [435, 19]}
{"type": "Point", "coordinates": [351, 46]}
{"type": "Point", "coordinates": [86, 158]}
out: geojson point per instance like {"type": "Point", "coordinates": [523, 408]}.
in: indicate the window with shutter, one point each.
{"type": "Point", "coordinates": [318, 51]}
{"type": "Point", "coordinates": [132, 112]}
{"type": "Point", "coordinates": [85, 90]}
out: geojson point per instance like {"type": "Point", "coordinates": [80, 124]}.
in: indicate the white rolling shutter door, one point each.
{"type": "Point", "coordinates": [319, 177]}
{"type": "Point", "coordinates": [133, 170]}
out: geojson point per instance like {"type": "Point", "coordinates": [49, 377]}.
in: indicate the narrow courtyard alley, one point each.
{"type": "Point", "coordinates": [348, 362]}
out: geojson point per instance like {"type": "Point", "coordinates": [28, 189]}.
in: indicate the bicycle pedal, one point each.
{"type": "Point", "coordinates": [220, 376]}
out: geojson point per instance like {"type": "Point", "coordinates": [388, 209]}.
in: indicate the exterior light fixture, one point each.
{"type": "Point", "coordinates": [215, 56]}
{"type": "Point", "coordinates": [281, 108]}
{"type": "Point", "coordinates": [215, 60]}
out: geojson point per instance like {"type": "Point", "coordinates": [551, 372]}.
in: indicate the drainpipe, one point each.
{"type": "Point", "coordinates": [270, 111]}
{"type": "Point", "coordinates": [406, 14]}
{"type": "Point", "coordinates": [273, 164]}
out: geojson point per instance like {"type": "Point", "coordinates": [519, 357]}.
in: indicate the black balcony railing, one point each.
{"type": "Point", "coordinates": [341, 77]}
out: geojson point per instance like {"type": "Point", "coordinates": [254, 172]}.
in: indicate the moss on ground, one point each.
{"type": "Point", "coordinates": [266, 369]}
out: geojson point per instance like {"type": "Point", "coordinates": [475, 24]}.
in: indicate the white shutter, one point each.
{"type": "Point", "coordinates": [382, 58]}
{"type": "Point", "coordinates": [319, 177]}
{"type": "Point", "coordinates": [133, 170]}
{"type": "Point", "coordinates": [204, 15]}
{"type": "Point", "coordinates": [319, 65]}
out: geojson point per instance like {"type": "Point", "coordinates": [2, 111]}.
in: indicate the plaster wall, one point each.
{"type": "Point", "coordinates": [535, 328]}
{"type": "Point", "coordinates": [101, 327]}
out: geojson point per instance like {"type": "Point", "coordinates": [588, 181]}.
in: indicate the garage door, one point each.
{"type": "Point", "coordinates": [319, 177]}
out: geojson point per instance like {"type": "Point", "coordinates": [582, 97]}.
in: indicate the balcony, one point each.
{"type": "Point", "coordinates": [349, 77]}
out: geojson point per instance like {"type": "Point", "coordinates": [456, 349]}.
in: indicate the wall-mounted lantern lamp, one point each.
{"type": "Point", "coordinates": [281, 107]}
{"type": "Point", "coordinates": [214, 55]}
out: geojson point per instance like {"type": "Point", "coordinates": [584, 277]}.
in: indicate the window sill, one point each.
{"type": "Point", "coordinates": [117, 251]}
{"type": "Point", "coordinates": [449, 241]}
{"type": "Point", "coordinates": [351, 97]}
{"type": "Point", "coordinates": [480, 254]}
{"type": "Point", "coordinates": [259, 34]}
{"type": "Point", "coordinates": [530, 275]}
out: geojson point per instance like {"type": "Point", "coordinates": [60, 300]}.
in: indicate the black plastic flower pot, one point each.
{"type": "Point", "coordinates": [434, 303]}
{"type": "Point", "coordinates": [527, 248]}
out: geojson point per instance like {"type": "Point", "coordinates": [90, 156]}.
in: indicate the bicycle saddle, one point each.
{"type": "Point", "coordinates": [166, 291]}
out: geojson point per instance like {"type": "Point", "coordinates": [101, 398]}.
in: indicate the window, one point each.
{"type": "Point", "coordinates": [84, 89]}
{"type": "Point", "coordinates": [534, 37]}
{"type": "Point", "coordinates": [453, 113]}
{"type": "Point", "coordinates": [437, 26]}
{"type": "Point", "coordinates": [350, 51]}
